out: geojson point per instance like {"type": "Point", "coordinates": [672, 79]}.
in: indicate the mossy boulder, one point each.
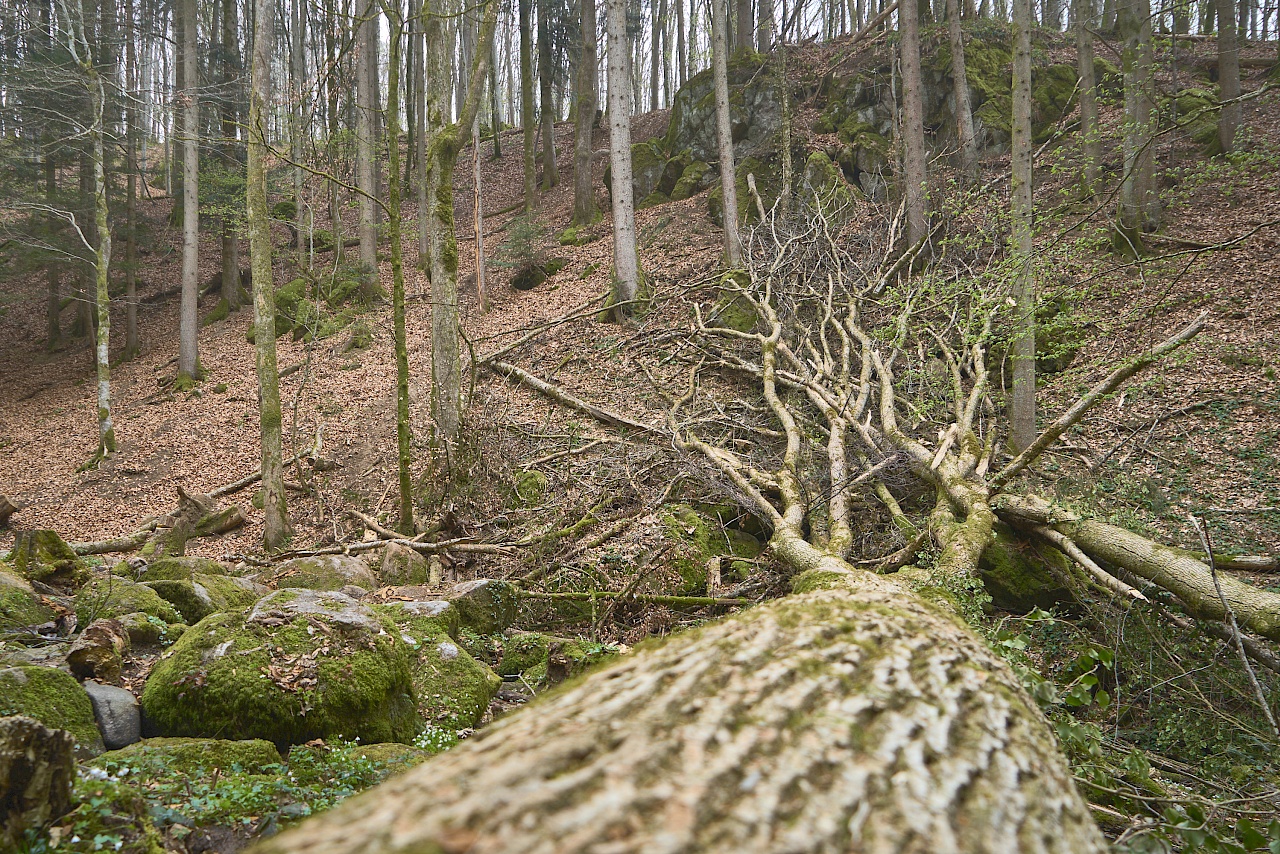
{"type": "Point", "coordinates": [190, 599]}
{"type": "Point", "coordinates": [401, 565]}
{"type": "Point", "coordinates": [695, 178]}
{"type": "Point", "coordinates": [1197, 111]}
{"type": "Point", "coordinates": [529, 488]}
{"type": "Point", "coordinates": [696, 542]}
{"type": "Point", "coordinates": [111, 816]}
{"type": "Point", "coordinates": [522, 651]}
{"type": "Point", "coordinates": [453, 690]}
{"type": "Point", "coordinates": [55, 699]}
{"type": "Point", "coordinates": [302, 664]}
{"type": "Point", "coordinates": [157, 756]}
{"type": "Point", "coordinates": [45, 557]}
{"type": "Point", "coordinates": [767, 173]}
{"type": "Point", "coordinates": [325, 572]}
{"type": "Point", "coordinates": [115, 597]}
{"type": "Point", "coordinates": [565, 658]}
{"type": "Point", "coordinates": [144, 629]}
{"type": "Point", "coordinates": [755, 112]}
{"type": "Point", "coordinates": [20, 606]}
{"type": "Point", "coordinates": [485, 605]}
{"type": "Point", "coordinates": [824, 188]}
{"type": "Point", "coordinates": [171, 569]}
{"type": "Point", "coordinates": [394, 758]}
{"type": "Point", "coordinates": [231, 593]}
{"type": "Point", "coordinates": [1017, 573]}
{"type": "Point", "coordinates": [421, 602]}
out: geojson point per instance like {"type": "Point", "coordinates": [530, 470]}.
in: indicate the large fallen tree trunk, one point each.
{"type": "Point", "coordinates": [850, 716]}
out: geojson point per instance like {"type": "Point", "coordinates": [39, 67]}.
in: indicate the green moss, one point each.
{"type": "Point", "coordinates": [20, 606]}
{"type": "Point", "coordinates": [529, 488]}
{"type": "Point", "coordinates": [817, 579]}
{"type": "Point", "coordinates": [191, 600]}
{"type": "Point", "coordinates": [230, 593]}
{"type": "Point", "coordinates": [43, 556]}
{"type": "Point", "coordinates": [144, 629]}
{"type": "Point", "coordinates": [110, 816]}
{"type": "Point", "coordinates": [578, 235]}
{"type": "Point", "coordinates": [395, 758]}
{"type": "Point", "coordinates": [113, 597]}
{"type": "Point", "coordinates": [692, 536]}
{"type": "Point", "coordinates": [485, 605]}
{"type": "Point", "coordinates": [1017, 575]}
{"type": "Point", "coordinates": [522, 651]}
{"type": "Point", "coordinates": [276, 675]}
{"type": "Point", "coordinates": [652, 200]}
{"type": "Point", "coordinates": [52, 697]}
{"type": "Point", "coordinates": [453, 690]}
{"type": "Point", "coordinates": [221, 311]}
{"type": "Point", "coordinates": [171, 569]}
{"type": "Point", "coordinates": [570, 658]}
{"type": "Point", "coordinates": [691, 180]}
{"type": "Point", "coordinates": [326, 572]}
{"type": "Point", "coordinates": [158, 756]}
{"type": "Point", "coordinates": [824, 187]}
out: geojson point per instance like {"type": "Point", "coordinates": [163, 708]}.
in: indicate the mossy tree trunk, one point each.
{"type": "Point", "coordinates": [1228, 76]}
{"type": "Point", "coordinates": [1139, 207]}
{"type": "Point", "coordinates": [442, 157]}
{"type": "Point", "coordinates": [546, 107]}
{"type": "Point", "coordinates": [849, 716]}
{"type": "Point", "coordinates": [960, 87]}
{"type": "Point", "coordinates": [276, 531]}
{"type": "Point", "coordinates": [584, 194]}
{"type": "Point", "coordinates": [364, 137]}
{"type": "Point", "coordinates": [230, 240]}
{"type": "Point", "coordinates": [403, 433]}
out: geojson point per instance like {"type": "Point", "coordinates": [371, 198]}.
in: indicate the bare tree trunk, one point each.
{"type": "Point", "coordinates": [1228, 77]}
{"type": "Point", "coordinates": [960, 86]}
{"type": "Point", "coordinates": [420, 134]}
{"type": "Point", "coordinates": [584, 195]}
{"type": "Point", "coordinates": [626, 273]}
{"type": "Point", "coordinates": [1022, 411]}
{"type": "Point", "coordinates": [1090, 135]}
{"type": "Point", "coordinates": [131, 347]}
{"type": "Point", "coordinates": [1139, 206]}
{"type": "Point", "coordinates": [546, 109]}
{"type": "Point", "coordinates": [724, 133]}
{"type": "Point", "coordinates": [332, 82]}
{"type": "Point", "coordinates": [188, 326]}
{"type": "Point", "coordinates": [53, 270]}
{"type": "Point", "coordinates": [736, 736]}
{"type": "Point", "coordinates": [913, 123]}
{"type": "Point", "coordinates": [764, 32]}
{"type": "Point", "coordinates": [682, 59]}
{"type": "Point", "coordinates": [526, 106]}
{"type": "Point", "coordinates": [276, 531]}
{"type": "Point", "coordinates": [478, 218]}
{"type": "Point", "coordinates": [745, 21]}
{"type": "Point", "coordinates": [297, 117]}
{"type": "Point", "coordinates": [230, 241]}
{"type": "Point", "coordinates": [364, 137]}
{"type": "Point", "coordinates": [495, 116]}
{"type": "Point", "coordinates": [403, 436]}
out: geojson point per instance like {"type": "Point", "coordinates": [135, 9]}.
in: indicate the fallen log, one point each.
{"type": "Point", "coordinates": [850, 716]}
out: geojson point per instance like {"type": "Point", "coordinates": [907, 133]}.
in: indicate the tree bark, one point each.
{"type": "Point", "coordinates": [276, 530]}
{"type": "Point", "coordinates": [724, 132]}
{"type": "Point", "coordinates": [1091, 140]}
{"type": "Point", "coordinates": [131, 346]}
{"type": "Point", "coordinates": [745, 29]}
{"type": "Point", "coordinates": [420, 136]}
{"type": "Point", "coordinates": [546, 108]}
{"type": "Point", "coordinates": [297, 127]}
{"type": "Point", "coordinates": [230, 241]}
{"type": "Point", "coordinates": [364, 138]}
{"type": "Point", "coordinates": [1022, 410]}
{"type": "Point", "coordinates": [37, 771]}
{"type": "Point", "coordinates": [188, 325]}
{"type": "Point", "coordinates": [1228, 77]}
{"type": "Point", "coordinates": [584, 195]}
{"type": "Point", "coordinates": [1139, 208]}
{"type": "Point", "coordinates": [736, 736]}
{"type": "Point", "coordinates": [913, 124]}
{"type": "Point", "coordinates": [477, 210]}
{"type": "Point", "coordinates": [527, 120]}
{"type": "Point", "coordinates": [626, 272]}
{"type": "Point", "coordinates": [960, 86]}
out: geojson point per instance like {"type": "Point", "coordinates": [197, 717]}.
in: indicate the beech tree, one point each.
{"type": "Point", "coordinates": [1022, 411]}
{"type": "Point", "coordinates": [1139, 206]}
{"type": "Point", "coordinates": [960, 89]}
{"type": "Point", "coordinates": [526, 105]}
{"type": "Point", "coordinates": [1228, 77]}
{"type": "Point", "coordinates": [188, 322]}
{"type": "Point", "coordinates": [914, 170]}
{"type": "Point", "coordinates": [276, 531]}
{"type": "Point", "coordinates": [546, 106]}
{"type": "Point", "coordinates": [626, 268]}
{"type": "Point", "coordinates": [724, 133]}
{"type": "Point", "coordinates": [584, 194]}
{"type": "Point", "coordinates": [367, 191]}
{"type": "Point", "coordinates": [1091, 145]}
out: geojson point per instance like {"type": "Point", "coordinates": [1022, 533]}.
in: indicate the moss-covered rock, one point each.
{"type": "Point", "coordinates": [158, 756]}
{"type": "Point", "coordinates": [230, 593]}
{"type": "Point", "coordinates": [115, 597]}
{"type": "Point", "coordinates": [453, 690]}
{"type": "Point", "coordinates": [529, 488]}
{"type": "Point", "coordinates": [1197, 111]}
{"type": "Point", "coordinates": [394, 758]}
{"type": "Point", "coordinates": [144, 629]}
{"type": "Point", "coordinates": [325, 572]}
{"type": "Point", "coordinates": [192, 600]}
{"type": "Point", "coordinates": [485, 605]}
{"type": "Point", "coordinates": [823, 188]}
{"type": "Point", "coordinates": [171, 569]}
{"type": "Point", "coordinates": [697, 541]}
{"type": "Point", "coordinates": [20, 606]}
{"type": "Point", "coordinates": [110, 816]}
{"type": "Point", "coordinates": [564, 658]}
{"type": "Point", "coordinates": [695, 178]}
{"type": "Point", "coordinates": [302, 664]}
{"type": "Point", "coordinates": [44, 556]}
{"type": "Point", "coordinates": [55, 699]}
{"type": "Point", "coordinates": [733, 310]}
{"type": "Point", "coordinates": [1017, 574]}
{"type": "Point", "coordinates": [401, 565]}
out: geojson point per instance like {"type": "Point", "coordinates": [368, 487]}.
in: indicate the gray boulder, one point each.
{"type": "Point", "coordinates": [118, 714]}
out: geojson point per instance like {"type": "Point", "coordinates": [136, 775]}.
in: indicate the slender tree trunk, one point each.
{"type": "Point", "coordinates": [550, 170]}
{"type": "Point", "coordinates": [53, 270]}
{"type": "Point", "coordinates": [1228, 77]}
{"type": "Point", "coordinates": [744, 37]}
{"type": "Point", "coordinates": [276, 531]}
{"type": "Point", "coordinates": [495, 115]}
{"type": "Point", "coordinates": [230, 240]}
{"type": "Point", "coordinates": [682, 59]}
{"type": "Point", "coordinates": [297, 116]}
{"type": "Point", "coordinates": [656, 22]}
{"type": "Point", "coordinates": [188, 326]}
{"type": "Point", "coordinates": [584, 194]}
{"type": "Point", "coordinates": [764, 32]}
{"type": "Point", "coordinates": [131, 347]}
{"type": "Point", "coordinates": [1091, 140]}
{"type": "Point", "coordinates": [724, 133]}
{"type": "Point", "coordinates": [695, 10]}
{"type": "Point", "coordinates": [446, 143]}
{"type": "Point", "coordinates": [527, 121]}
{"type": "Point", "coordinates": [420, 141]}
{"type": "Point", "coordinates": [1022, 414]}
{"type": "Point", "coordinates": [1139, 206]}
{"type": "Point", "coordinates": [626, 272]}
{"type": "Point", "coordinates": [478, 216]}
{"type": "Point", "coordinates": [960, 86]}
{"type": "Point", "coordinates": [403, 436]}
{"type": "Point", "coordinates": [332, 82]}
{"type": "Point", "coordinates": [913, 124]}
{"type": "Point", "coordinates": [364, 138]}
{"type": "Point", "coordinates": [784, 132]}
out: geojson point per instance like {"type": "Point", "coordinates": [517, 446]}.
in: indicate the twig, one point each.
{"type": "Point", "coordinates": [1203, 530]}
{"type": "Point", "coordinates": [559, 394]}
{"type": "Point", "coordinates": [652, 599]}
{"type": "Point", "coordinates": [1106, 579]}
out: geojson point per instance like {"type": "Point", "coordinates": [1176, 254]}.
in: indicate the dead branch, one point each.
{"type": "Point", "coordinates": [558, 394]}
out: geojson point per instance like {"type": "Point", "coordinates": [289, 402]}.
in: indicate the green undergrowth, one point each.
{"type": "Point", "coordinates": [319, 306]}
